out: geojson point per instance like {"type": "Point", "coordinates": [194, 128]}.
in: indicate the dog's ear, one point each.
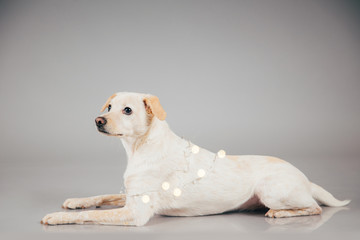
{"type": "Point", "coordinates": [107, 102]}
{"type": "Point", "coordinates": [153, 106]}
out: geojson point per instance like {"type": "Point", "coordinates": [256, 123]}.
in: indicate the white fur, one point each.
{"type": "Point", "coordinates": [156, 154]}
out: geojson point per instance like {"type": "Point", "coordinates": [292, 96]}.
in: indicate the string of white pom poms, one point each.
{"type": "Point", "coordinates": [201, 173]}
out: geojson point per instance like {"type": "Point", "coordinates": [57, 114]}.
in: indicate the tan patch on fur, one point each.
{"type": "Point", "coordinates": [232, 157]}
{"type": "Point", "coordinates": [177, 212]}
{"type": "Point", "coordinates": [110, 123]}
{"type": "Point", "coordinates": [240, 165]}
{"type": "Point", "coordinates": [118, 217]}
{"type": "Point", "coordinates": [153, 106]}
{"type": "Point", "coordinates": [107, 102]}
{"type": "Point", "coordinates": [111, 199]}
{"type": "Point", "coordinates": [275, 160]}
{"type": "Point", "coordinates": [293, 212]}
{"type": "Point", "coordinates": [119, 202]}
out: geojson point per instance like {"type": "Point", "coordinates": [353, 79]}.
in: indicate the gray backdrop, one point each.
{"type": "Point", "coordinates": [277, 78]}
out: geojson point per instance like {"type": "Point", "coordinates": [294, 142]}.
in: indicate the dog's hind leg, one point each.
{"type": "Point", "coordinates": [287, 196]}
{"type": "Point", "coordinates": [110, 199]}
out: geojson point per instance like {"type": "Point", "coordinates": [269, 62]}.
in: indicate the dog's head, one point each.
{"type": "Point", "coordinates": [129, 114]}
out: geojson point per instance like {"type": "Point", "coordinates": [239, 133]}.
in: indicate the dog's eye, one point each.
{"type": "Point", "coordinates": [109, 107]}
{"type": "Point", "coordinates": [127, 111]}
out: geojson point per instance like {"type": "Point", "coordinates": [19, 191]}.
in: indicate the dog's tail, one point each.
{"type": "Point", "coordinates": [326, 198]}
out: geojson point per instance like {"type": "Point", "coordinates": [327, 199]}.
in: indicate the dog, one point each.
{"type": "Point", "coordinates": [169, 175]}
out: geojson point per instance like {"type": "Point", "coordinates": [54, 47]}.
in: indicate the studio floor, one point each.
{"type": "Point", "coordinates": [30, 191]}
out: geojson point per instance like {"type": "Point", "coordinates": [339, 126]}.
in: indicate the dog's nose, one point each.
{"type": "Point", "coordinates": [100, 121]}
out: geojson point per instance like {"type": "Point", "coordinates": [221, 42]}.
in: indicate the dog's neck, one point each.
{"type": "Point", "coordinates": [157, 132]}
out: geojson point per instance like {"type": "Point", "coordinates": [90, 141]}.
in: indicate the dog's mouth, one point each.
{"type": "Point", "coordinates": [109, 134]}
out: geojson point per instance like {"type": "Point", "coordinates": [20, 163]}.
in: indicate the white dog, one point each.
{"type": "Point", "coordinates": [169, 175]}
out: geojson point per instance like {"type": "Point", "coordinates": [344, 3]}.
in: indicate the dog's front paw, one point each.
{"type": "Point", "coordinates": [59, 218]}
{"type": "Point", "coordinates": [74, 203]}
